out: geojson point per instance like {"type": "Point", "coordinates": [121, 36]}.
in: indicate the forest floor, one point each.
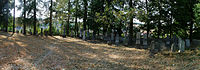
{"type": "Point", "coordinates": [19, 52]}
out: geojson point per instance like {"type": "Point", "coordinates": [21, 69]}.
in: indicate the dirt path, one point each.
{"type": "Point", "coordinates": [44, 53]}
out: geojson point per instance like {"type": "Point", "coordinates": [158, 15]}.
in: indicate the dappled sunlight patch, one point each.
{"type": "Point", "coordinates": [21, 44]}
{"type": "Point", "coordinates": [115, 56]}
{"type": "Point", "coordinates": [89, 55]}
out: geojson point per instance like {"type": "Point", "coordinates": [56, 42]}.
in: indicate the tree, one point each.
{"type": "Point", "coordinates": [35, 18]}
{"type": "Point", "coordinates": [131, 23]}
{"type": "Point", "coordinates": [50, 24]}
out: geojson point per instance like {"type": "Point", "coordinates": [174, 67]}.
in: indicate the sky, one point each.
{"type": "Point", "coordinates": [18, 12]}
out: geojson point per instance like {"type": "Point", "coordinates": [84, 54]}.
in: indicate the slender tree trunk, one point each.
{"type": "Point", "coordinates": [147, 21]}
{"type": "Point", "coordinates": [50, 24]}
{"type": "Point", "coordinates": [131, 25]}
{"type": "Point", "coordinates": [85, 15]}
{"type": "Point", "coordinates": [159, 23]}
{"type": "Point", "coordinates": [68, 22]}
{"type": "Point", "coordinates": [35, 19]}
{"type": "Point", "coordinates": [76, 19]}
{"type": "Point", "coordinates": [24, 18]}
{"type": "Point", "coordinates": [14, 18]}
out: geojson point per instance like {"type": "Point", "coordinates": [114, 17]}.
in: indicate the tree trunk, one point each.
{"type": "Point", "coordinates": [35, 19]}
{"type": "Point", "coordinates": [50, 24]}
{"type": "Point", "coordinates": [14, 18]}
{"type": "Point", "coordinates": [131, 25]}
{"type": "Point", "coordinates": [76, 19]}
{"type": "Point", "coordinates": [68, 22]}
{"type": "Point", "coordinates": [85, 15]}
{"type": "Point", "coordinates": [24, 18]}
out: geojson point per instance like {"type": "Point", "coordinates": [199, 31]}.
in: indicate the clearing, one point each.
{"type": "Point", "coordinates": [41, 53]}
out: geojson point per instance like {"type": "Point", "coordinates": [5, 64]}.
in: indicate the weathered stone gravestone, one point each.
{"type": "Point", "coordinates": [138, 38]}
{"type": "Point", "coordinates": [41, 33]}
{"type": "Point", "coordinates": [145, 39]}
{"type": "Point", "coordinates": [117, 39]}
{"type": "Point", "coordinates": [105, 37]}
{"type": "Point", "coordinates": [187, 42]}
{"type": "Point", "coordinates": [181, 45]}
{"type": "Point", "coordinates": [167, 40]}
{"type": "Point", "coordinates": [174, 43]}
{"type": "Point", "coordinates": [162, 45]}
{"type": "Point", "coordinates": [112, 35]}
{"type": "Point", "coordinates": [84, 35]}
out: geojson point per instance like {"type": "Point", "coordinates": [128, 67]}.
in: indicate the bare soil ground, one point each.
{"type": "Point", "coordinates": [19, 52]}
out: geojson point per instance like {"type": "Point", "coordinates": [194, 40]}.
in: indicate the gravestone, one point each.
{"type": "Point", "coordinates": [105, 37]}
{"type": "Point", "coordinates": [83, 35]}
{"type": "Point", "coordinates": [162, 46]}
{"type": "Point", "coordinates": [112, 35]}
{"type": "Point", "coordinates": [181, 45]}
{"type": "Point", "coordinates": [138, 38]}
{"type": "Point", "coordinates": [174, 43]}
{"type": "Point", "coordinates": [145, 39]}
{"type": "Point", "coordinates": [168, 41]}
{"type": "Point", "coordinates": [117, 39]}
{"type": "Point", "coordinates": [187, 42]}
{"type": "Point", "coordinates": [41, 31]}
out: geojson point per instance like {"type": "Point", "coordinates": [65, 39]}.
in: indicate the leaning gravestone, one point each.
{"type": "Point", "coordinates": [83, 35]}
{"type": "Point", "coordinates": [187, 42]}
{"type": "Point", "coordinates": [117, 40]}
{"type": "Point", "coordinates": [138, 38]}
